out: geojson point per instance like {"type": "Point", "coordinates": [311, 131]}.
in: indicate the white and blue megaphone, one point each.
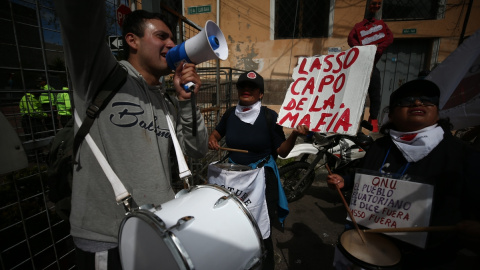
{"type": "Point", "coordinates": [209, 44]}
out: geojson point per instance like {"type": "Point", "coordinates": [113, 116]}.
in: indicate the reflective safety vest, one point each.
{"type": "Point", "coordinates": [64, 106]}
{"type": "Point", "coordinates": [30, 105]}
{"type": "Point", "coordinates": [44, 96]}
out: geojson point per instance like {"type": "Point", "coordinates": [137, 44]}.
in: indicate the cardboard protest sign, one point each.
{"type": "Point", "coordinates": [381, 202]}
{"type": "Point", "coordinates": [328, 92]}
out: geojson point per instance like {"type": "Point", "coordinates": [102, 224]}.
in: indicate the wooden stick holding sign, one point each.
{"type": "Point", "coordinates": [413, 229]}
{"type": "Point", "coordinates": [360, 232]}
{"type": "Point", "coordinates": [233, 150]}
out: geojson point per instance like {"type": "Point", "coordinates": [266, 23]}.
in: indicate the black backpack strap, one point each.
{"type": "Point", "coordinates": [270, 122]}
{"type": "Point", "coordinates": [167, 96]}
{"type": "Point", "coordinates": [109, 88]}
{"type": "Point", "coordinates": [229, 111]}
{"type": "Point", "coordinates": [227, 114]}
{"type": "Point", "coordinates": [268, 116]}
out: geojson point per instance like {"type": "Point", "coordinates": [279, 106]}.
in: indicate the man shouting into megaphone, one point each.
{"type": "Point", "coordinates": [132, 130]}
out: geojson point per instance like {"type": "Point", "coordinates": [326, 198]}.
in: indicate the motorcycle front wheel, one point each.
{"type": "Point", "coordinates": [290, 174]}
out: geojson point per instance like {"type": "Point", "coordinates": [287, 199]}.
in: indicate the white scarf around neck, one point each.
{"type": "Point", "coordinates": [416, 145]}
{"type": "Point", "coordinates": [248, 114]}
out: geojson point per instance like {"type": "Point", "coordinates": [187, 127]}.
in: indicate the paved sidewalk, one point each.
{"type": "Point", "coordinates": [311, 229]}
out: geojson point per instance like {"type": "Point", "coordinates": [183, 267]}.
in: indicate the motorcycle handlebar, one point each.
{"type": "Point", "coordinates": [319, 137]}
{"type": "Point", "coordinates": [361, 139]}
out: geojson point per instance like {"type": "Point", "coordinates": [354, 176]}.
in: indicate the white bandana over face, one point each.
{"type": "Point", "coordinates": [418, 144]}
{"type": "Point", "coordinates": [248, 114]}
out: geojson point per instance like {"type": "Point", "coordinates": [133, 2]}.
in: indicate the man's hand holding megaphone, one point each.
{"type": "Point", "coordinates": [184, 74]}
{"type": "Point", "coordinates": [209, 44]}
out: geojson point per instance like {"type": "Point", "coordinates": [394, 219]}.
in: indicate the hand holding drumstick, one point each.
{"type": "Point", "coordinates": [213, 143]}
{"type": "Point", "coordinates": [338, 182]}
{"type": "Point", "coordinates": [335, 180]}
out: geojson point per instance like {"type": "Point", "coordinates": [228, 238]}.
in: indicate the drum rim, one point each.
{"type": "Point", "coordinates": [247, 168]}
{"type": "Point", "coordinates": [180, 255]}
{"type": "Point", "coordinates": [349, 256]}
{"type": "Point", "coordinates": [244, 210]}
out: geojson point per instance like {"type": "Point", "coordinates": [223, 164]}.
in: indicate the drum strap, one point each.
{"type": "Point", "coordinates": [183, 170]}
{"type": "Point", "coordinates": [121, 194]}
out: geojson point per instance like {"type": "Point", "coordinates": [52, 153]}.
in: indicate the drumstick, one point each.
{"type": "Point", "coordinates": [413, 229]}
{"type": "Point", "coordinates": [360, 232]}
{"type": "Point", "coordinates": [233, 150]}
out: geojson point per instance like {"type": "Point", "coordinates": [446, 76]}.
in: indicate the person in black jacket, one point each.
{"type": "Point", "coordinates": [419, 146]}
{"type": "Point", "coordinates": [249, 129]}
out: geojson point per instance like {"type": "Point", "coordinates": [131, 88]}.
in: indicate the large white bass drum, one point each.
{"type": "Point", "coordinates": [204, 227]}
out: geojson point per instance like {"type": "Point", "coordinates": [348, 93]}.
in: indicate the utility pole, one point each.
{"type": "Point", "coordinates": [467, 15]}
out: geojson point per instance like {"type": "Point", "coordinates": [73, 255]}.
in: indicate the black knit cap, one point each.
{"type": "Point", "coordinates": [418, 87]}
{"type": "Point", "coordinates": [252, 77]}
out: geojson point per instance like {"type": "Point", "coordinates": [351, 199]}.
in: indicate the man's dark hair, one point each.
{"type": "Point", "coordinates": [135, 23]}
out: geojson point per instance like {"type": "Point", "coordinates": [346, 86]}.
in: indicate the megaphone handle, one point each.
{"type": "Point", "coordinates": [189, 87]}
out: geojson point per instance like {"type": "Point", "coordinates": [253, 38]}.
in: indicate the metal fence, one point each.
{"type": "Point", "coordinates": [213, 104]}
{"type": "Point", "coordinates": [32, 234]}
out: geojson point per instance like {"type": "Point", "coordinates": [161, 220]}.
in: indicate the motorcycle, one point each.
{"type": "Point", "coordinates": [341, 152]}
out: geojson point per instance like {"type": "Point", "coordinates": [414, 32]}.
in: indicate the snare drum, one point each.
{"type": "Point", "coordinates": [377, 253]}
{"type": "Point", "coordinates": [205, 227]}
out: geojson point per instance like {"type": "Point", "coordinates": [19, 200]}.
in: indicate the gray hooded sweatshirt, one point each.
{"type": "Point", "coordinates": [131, 132]}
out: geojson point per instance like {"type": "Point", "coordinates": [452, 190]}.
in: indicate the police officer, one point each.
{"type": "Point", "coordinates": [49, 103]}
{"type": "Point", "coordinates": [64, 106]}
{"type": "Point", "coordinates": [32, 114]}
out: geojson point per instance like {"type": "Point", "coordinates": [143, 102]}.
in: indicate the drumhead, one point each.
{"type": "Point", "coordinates": [144, 243]}
{"type": "Point", "coordinates": [377, 251]}
{"type": "Point", "coordinates": [241, 205]}
{"type": "Point", "coordinates": [220, 220]}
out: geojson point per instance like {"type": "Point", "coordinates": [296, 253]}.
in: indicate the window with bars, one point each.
{"type": "Point", "coordinates": [301, 18]}
{"type": "Point", "coordinates": [407, 10]}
